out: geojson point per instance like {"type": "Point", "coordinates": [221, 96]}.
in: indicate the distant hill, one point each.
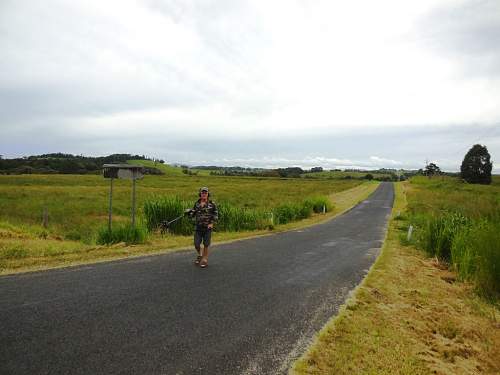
{"type": "Point", "coordinates": [59, 163]}
{"type": "Point", "coordinates": [165, 169]}
{"type": "Point", "coordinates": [67, 164]}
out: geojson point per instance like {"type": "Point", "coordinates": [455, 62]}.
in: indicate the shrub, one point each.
{"type": "Point", "coordinates": [167, 208]}
{"type": "Point", "coordinates": [475, 254]}
{"type": "Point", "coordinates": [289, 212]}
{"type": "Point", "coordinates": [464, 228]}
{"type": "Point", "coordinates": [73, 236]}
{"type": "Point", "coordinates": [125, 233]}
{"type": "Point", "coordinates": [437, 233]}
{"type": "Point", "coordinates": [318, 203]}
{"type": "Point", "coordinates": [14, 252]}
{"type": "Point", "coordinates": [235, 219]}
{"type": "Point", "coordinates": [231, 218]}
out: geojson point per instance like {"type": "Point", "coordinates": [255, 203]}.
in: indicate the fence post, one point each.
{"type": "Point", "coordinates": [110, 204]}
{"type": "Point", "coordinates": [133, 202]}
{"type": "Point", "coordinates": [45, 217]}
{"type": "Point", "coordinates": [410, 231]}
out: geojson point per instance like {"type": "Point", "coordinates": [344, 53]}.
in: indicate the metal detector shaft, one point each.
{"type": "Point", "coordinates": [177, 218]}
{"type": "Point", "coordinates": [166, 224]}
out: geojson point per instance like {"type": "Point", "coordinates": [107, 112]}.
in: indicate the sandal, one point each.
{"type": "Point", "coordinates": [197, 260]}
{"type": "Point", "coordinates": [204, 263]}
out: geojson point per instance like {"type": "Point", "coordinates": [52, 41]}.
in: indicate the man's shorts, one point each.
{"type": "Point", "coordinates": [202, 234]}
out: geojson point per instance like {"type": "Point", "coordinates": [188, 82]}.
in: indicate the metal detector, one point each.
{"type": "Point", "coordinates": [165, 225]}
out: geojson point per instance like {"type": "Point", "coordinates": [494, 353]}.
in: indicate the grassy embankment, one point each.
{"type": "Point", "coordinates": [411, 315]}
{"type": "Point", "coordinates": [459, 224]}
{"type": "Point", "coordinates": [77, 208]}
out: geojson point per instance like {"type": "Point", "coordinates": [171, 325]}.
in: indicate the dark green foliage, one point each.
{"type": "Point", "coordinates": [316, 169]}
{"type": "Point", "coordinates": [290, 172]}
{"type": "Point", "coordinates": [476, 166]}
{"type": "Point", "coordinates": [289, 212]}
{"type": "Point", "coordinates": [475, 254]}
{"type": "Point", "coordinates": [438, 233]}
{"type": "Point", "coordinates": [126, 233]}
{"type": "Point", "coordinates": [471, 246]}
{"type": "Point", "coordinates": [167, 208]}
{"type": "Point", "coordinates": [432, 169]}
{"type": "Point", "coordinates": [319, 203]}
{"type": "Point", "coordinates": [65, 164]}
{"type": "Point", "coordinates": [16, 252]}
{"type": "Point", "coordinates": [231, 218]}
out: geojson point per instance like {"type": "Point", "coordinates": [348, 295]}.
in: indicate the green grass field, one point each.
{"type": "Point", "coordinates": [79, 203]}
{"type": "Point", "coordinates": [77, 207]}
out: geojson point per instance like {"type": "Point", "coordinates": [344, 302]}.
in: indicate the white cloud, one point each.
{"type": "Point", "coordinates": [244, 72]}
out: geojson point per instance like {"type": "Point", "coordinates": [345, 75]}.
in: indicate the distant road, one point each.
{"type": "Point", "coordinates": [252, 311]}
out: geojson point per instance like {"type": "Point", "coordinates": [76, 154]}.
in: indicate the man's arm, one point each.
{"type": "Point", "coordinates": [214, 216]}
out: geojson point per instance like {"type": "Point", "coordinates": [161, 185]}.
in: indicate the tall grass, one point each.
{"type": "Point", "coordinates": [125, 233]}
{"type": "Point", "coordinates": [167, 208]}
{"type": "Point", "coordinates": [475, 254]}
{"type": "Point", "coordinates": [231, 218]}
{"type": "Point", "coordinates": [289, 212]}
{"type": "Point", "coordinates": [234, 219]}
{"type": "Point", "coordinates": [439, 231]}
{"type": "Point", "coordinates": [460, 224]}
{"type": "Point", "coordinates": [78, 205]}
{"type": "Point", "coordinates": [319, 203]}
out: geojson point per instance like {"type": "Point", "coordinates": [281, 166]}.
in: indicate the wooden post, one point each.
{"type": "Point", "coordinates": [45, 217]}
{"type": "Point", "coordinates": [133, 202]}
{"type": "Point", "coordinates": [110, 204]}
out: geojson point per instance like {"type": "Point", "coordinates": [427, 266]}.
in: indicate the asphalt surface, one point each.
{"type": "Point", "coordinates": [252, 311]}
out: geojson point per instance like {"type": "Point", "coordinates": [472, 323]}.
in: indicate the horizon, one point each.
{"type": "Point", "coordinates": [194, 166]}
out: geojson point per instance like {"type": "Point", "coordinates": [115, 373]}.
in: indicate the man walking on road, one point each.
{"type": "Point", "coordinates": [205, 214]}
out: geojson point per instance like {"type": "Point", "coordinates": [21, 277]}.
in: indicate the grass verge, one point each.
{"type": "Point", "coordinates": [409, 316]}
{"type": "Point", "coordinates": [35, 250]}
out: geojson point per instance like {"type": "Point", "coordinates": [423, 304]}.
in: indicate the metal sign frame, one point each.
{"type": "Point", "coordinates": [122, 171]}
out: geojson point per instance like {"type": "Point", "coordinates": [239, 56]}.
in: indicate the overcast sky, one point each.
{"type": "Point", "coordinates": [337, 84]}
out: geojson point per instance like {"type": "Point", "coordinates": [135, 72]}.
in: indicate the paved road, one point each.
{"type": "Point", "coordinates": [252, 311]}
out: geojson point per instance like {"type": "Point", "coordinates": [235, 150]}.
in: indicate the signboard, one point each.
{"type": "Point", "coordinates": [123, 171]}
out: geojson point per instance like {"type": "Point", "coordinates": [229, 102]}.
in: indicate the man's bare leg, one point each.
{"type": "Point", "coordinates": [198, 258]}
{"type": "Point", "coordinates": [204, 257]}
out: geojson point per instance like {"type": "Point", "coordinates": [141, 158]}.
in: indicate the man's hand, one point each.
{"type": "Point", "coordinates": [210, 226]}
{"type": "Point", "coordinates": [188, 211]}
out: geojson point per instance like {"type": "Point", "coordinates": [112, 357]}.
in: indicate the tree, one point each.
{"type": "Point", "coordinates": [432, 169]}
{"type": "Point", "coordinates": [476, 166]}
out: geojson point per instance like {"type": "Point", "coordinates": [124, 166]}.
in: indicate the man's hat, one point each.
{"type": "Point", "coordinates": [204, 188]}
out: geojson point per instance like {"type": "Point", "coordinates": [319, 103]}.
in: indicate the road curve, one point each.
{"type": "Point", "coordinates": [252, 311]}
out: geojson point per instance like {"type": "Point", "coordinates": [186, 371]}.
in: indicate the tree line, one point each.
{"type": "Point", "coordinates": [475, 169]}
{"type": "Point", "coordinates": [65, 164]}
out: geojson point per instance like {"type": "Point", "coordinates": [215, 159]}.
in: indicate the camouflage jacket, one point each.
{"type": "Point", "coordinates": [205, 215]}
